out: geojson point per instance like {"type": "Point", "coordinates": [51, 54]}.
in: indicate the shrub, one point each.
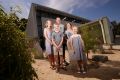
{"type": "Point", "coordinates": [92, 36]}
{"type": "Point", "coordinates": [15, 58]}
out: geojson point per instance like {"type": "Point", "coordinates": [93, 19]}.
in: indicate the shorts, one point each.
{"type": "Point", "coordinates": [56, 51]}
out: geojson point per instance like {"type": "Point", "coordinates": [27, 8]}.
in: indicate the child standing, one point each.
{"type": "Point", "coordinates": [78, 55]}
{"type": "Point", "coordinates": [62, 29]}
{"type": "Point", "coordinates": [48, 43]}
{"type": "Point", "coordinates": [57, 39]}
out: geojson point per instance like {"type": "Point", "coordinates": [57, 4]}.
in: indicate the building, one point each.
{"type": "Point", "coordinates": [39, 14]}
{"type": "Point", "coordinates": [104, 24]}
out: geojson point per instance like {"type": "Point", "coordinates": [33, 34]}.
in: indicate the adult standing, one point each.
{"type": "Point", "coordinates": [68, 33]}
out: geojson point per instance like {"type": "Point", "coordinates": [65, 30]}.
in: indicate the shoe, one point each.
{"type": "Point", "coordinates": [64, 68]}
{"type": "Point", "coordinates": [78, 72]}
{"type": "Point", "coordinates": [65, 63]}
{"type": "Point", "coordinates": [84, 72]}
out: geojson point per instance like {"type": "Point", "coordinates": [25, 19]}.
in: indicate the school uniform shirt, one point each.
{"type": "Point", "coordinates": [57, 37]}
{"type": "Point", "coordinates": [68, 33]}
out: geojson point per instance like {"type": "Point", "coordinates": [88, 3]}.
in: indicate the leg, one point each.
{"type": "Point", "coordinates": [65, 62]}
{"type": "Point", "coordinates": [61, 63]}
{"type": "Point", "coordinates": [64, 52]}
{"type": "Point", "coordinates": [85, 66]}
{"type": "Point", "coordinates": [79, 66]}
{"type": "Point", "coordinates": [85, 63]}
{"type": "Point", "coordinates": [57, 63]}
{"type": "Point", "coordinates": [61, 60]}
{"type": "Point", "coordinates": [52, 62]}
{"type": "Point", "coordinates": [53, 59]}
{"type": "Point", "coordinates": [49, 58]}
{"type": "Point", "coordinates": [52, 56]}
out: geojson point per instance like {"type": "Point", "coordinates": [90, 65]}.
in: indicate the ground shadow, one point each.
{"type": "Point", "coordinates": [103, 72]}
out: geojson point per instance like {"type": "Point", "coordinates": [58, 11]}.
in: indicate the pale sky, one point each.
{"type": "Point", "coordinates": [90, 9]}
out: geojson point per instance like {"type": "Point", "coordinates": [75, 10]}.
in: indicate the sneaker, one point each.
{"type": "Point", "coordinates": [65, 63]}
{"type": "Point", "coordinates": [78, 72]}
{"type": "Point", "coordinates": [84, 72]}
{"type": "Point", "coordinates": [64, 68]}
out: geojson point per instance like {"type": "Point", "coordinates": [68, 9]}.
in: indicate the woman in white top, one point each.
{"type": "Point", "coordinates": [69, 31]}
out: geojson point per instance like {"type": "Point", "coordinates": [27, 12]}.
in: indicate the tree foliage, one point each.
{"type": "Point", "coordinates": [15, 58]}
{"type": "Point", "coordinates": [23, 23]}
{"type": "Point", "coordinates": [92, 36]}
{"type": "Point", "coordinates": [116, 28]}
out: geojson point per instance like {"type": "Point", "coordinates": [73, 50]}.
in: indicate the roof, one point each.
{"type": "Point", "coordinates": [54, 11]}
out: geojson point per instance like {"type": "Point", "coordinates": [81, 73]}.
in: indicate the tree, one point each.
{"type": "Point", "coordinates": [92, 36]}
{"type": "Point", "coordinates": [23, 23]}
{"type": "Point", "coordinates": [15, 58]}
{"type": "Point", "coordinates": [116, 28]}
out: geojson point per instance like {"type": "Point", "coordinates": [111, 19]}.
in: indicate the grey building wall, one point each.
{"type": "Point", "coordinates": [31, 29]}
{"type": "Point", "coordinates": [107, 30]}
{"type": "Point", "coordinates": [36, 21]}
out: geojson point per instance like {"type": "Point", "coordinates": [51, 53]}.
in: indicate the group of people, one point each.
{"type": "Point", "coordinates": [58, 37]}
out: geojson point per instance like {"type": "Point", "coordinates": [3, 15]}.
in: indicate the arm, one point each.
{"type": "Point", "coordinates": [61, 43]}
{"type": "Point", "coordinates": [82, 42]}
{"type": "Point", "coordinates": [46, 36]}
{"type": "Point", "coordinates": [62, 28]}
{"type": "Point", "coordinates": [54, 43]}
{"type": "Point", "coordinates": [71, 43]}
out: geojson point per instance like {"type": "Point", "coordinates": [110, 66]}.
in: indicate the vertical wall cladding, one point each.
{"type": "Point", "coordinates": [108, 30]}
{"type": "Point", "coordinates": [40, 29]}
{"type": "Point", "coordinates": [31, 29]}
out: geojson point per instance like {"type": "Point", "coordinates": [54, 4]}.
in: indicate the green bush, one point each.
{"type": "Point", "coordinates": [92, 36]}
{"type": "Point", "coordinates": [15, 58]}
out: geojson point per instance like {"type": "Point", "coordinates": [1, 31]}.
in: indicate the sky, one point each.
{"type": "Point", "coordinates": [90, 9]}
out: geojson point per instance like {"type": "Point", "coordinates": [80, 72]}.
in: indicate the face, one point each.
{"type": "Point", "coordinates": [49, 23]}
{"type": "Point", "coordinates": [75, 30]}
{"type": "Point", "coordinates": [57, 28]}
{"type": "Point", "coordinates": [58, 20]}
{"type": "Point", "coordinates": [68, 26]}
